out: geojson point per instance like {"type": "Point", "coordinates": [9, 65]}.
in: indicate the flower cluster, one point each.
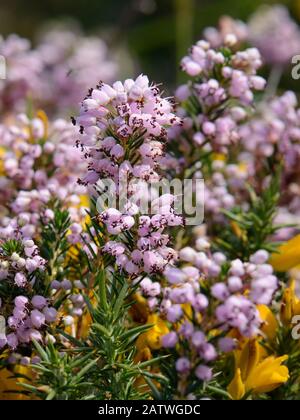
{"type": "Point", "coordinates": [226, 188]}
{"type": "Point", "coordinates": [123, 129]}
{"type": "Point", "coordinates": [56, 72]}
{"type": "Point", "coordinates": [23, 67]}
{"type": "Point", "coordinates": [17, 267]}
{"type": "Point", "coordinates": [235, 310]}
{"type": "Point", "coordinates": [275, 34]}
{"type": "Point", "coordinates": [124, 115]}
{"type": "Point", "coordinates": [270, 29]}
{"type": "Point", "coordinates": [71, 63]}
{"type": "Point", "coordinates": [40, 164]}
{"type": "Point", "coordinates": [152, 253]}
{"type": "Point", "coordinates": [28, 317]}
{"type": "Point", "coordinates": [217, 121]}
{"type": "Point", "coordinates": [275, 130]}
{"type": "Point", "coordinates": [229, 29]}
{"type": "Point", "coordinates": [105, 286]}
{"type": "Point", "coordinates": [26, 313]}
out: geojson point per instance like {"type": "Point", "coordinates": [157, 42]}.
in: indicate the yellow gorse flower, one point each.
{"type": "Point", "coordinates": [288, 255]}
{"type": "Point", "coordinates": [9, 388]}
{"type": "Point", "coordinates": [290, 305]}
{"type": "Point", "coordinates": [139, 311]}
{"type": "Point", "coordinates": [270, 324]}
{"type": "Point", "coordinates": [152, 338]}
{"type": "Point", "coordinates": [255, 371]}
{"type": "Point", "coordinates": [148, 341]}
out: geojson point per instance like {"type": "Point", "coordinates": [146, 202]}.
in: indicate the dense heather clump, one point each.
{"type": "Point", "coordinates": [55, 72]}
{"type": "Point", "coordinates": [106, 290]}
{"type": "Point", "coordinates": [275, 34]}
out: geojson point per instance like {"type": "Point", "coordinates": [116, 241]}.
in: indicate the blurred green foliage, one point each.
{"type": "Point", "coordinates": [156, 32]}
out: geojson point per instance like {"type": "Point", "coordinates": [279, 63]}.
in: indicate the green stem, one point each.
{"type": "Point", "coordinates": [102, 288]}
{"type": "Point", "coordinates": [184, 13]}
{"type": "Point", "coordinates": [218, 391]}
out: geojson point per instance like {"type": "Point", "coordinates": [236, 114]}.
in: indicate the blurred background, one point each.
{"type": "Point", "coordinates": [155, 33]}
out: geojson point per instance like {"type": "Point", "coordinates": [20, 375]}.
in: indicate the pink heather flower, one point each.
{"type": "Point", "coordinates": [220, 291]}
{"type": "Point", "coordinates": [208, 352]}
{"type": "Point", "coordinates": [239, 312]}
{"type": "Point", "coordinates": [226, 344]}
{"type": "Point", "coordinates": [12, 340]}
{"type": "Point", "coordinates": [275, 34]}
{"type": "Point", "coordinates": [262, 289]}
{"type": "Point", "coordinates": [19, 313]}
{"type": "Point", "coordinates": [169, 340]}
{"type": "Point", "coordinates": [150, 288]}
{"type": "Point", "coordinates": [66, 284]}
{"type": "Point", "coordinates": [187, 254]}
{"type": "Point", "coordinates": [50, 314]}
{"type": "Point", "coordinates": [21, 302]}
{"type": "Point", "coordinates": [186, 329]}
{"type": "Point", "coordinates": [204, 373]}
{"type": "Point", "coordinates": [145, 111]}
{"type": "Point", "coordinates": [174, 313]}
{"type": "Point", "coordinates": [200, 302]}
{"type": "Point", "coordinates": [183, 365]}
{"type": "Point", "coordinates": [260, 257]}
{"type": "Point", "coordinates": [25, 361]}
{"type": "Point", "coordinates": [185, 293]}
{"type": "Point", "coordinates": [34, 335]}
{"type": "Point", "coordinates": [241, 80]}
{"type": "Point", "coordinates": [153, 262]}
{"type": "Point", "coordinates": [235, 284]}
{"type": "Point", "coordinates": [55, 285]}
{"type": "Point", "coordinates": [229, 32]}
{"type": "Point", "coordinates": [39, 302]}
{"type": "Point", "coordinates": [37, 318]}
{"type": "Point", "coordinates": [77, 299]}
{"type": "Point", "coordinates": [175, 275]}
{"type": "Point", "coordinates": [198, 339]}
{"type": "Point", "coordinates": [35, 360]}
{"type": "Point", "coordinates": [114, 248]}
{"type": "Point", "coordinates": [237, 268]}
{"type": "Point", "coordinates": [20, 280]}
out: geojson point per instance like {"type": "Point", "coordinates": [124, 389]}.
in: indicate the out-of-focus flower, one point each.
{"type": "Point", "coordinates": [71, 64]}
{"type": "Point", "coordinates": [9, 389]}
{"type": "Point", "coordinates": [269, 325]}
{"type": "Point", "coordinates": [290, 304]}
{"type": "Point", "coordinates": [255, 372]}
{"type": "Point", "coordinates": [275, 34]}
{"type": "Point", "coordinates": [152, 338]}
{"type": "Point", "coordinates": [56, 73]}
{"type": "Point", "coordinates": [229, 32]}
{"type": "Point", "coordinates": [287, 255]}
{"type": "Point", "coordinates": [23, 70]}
